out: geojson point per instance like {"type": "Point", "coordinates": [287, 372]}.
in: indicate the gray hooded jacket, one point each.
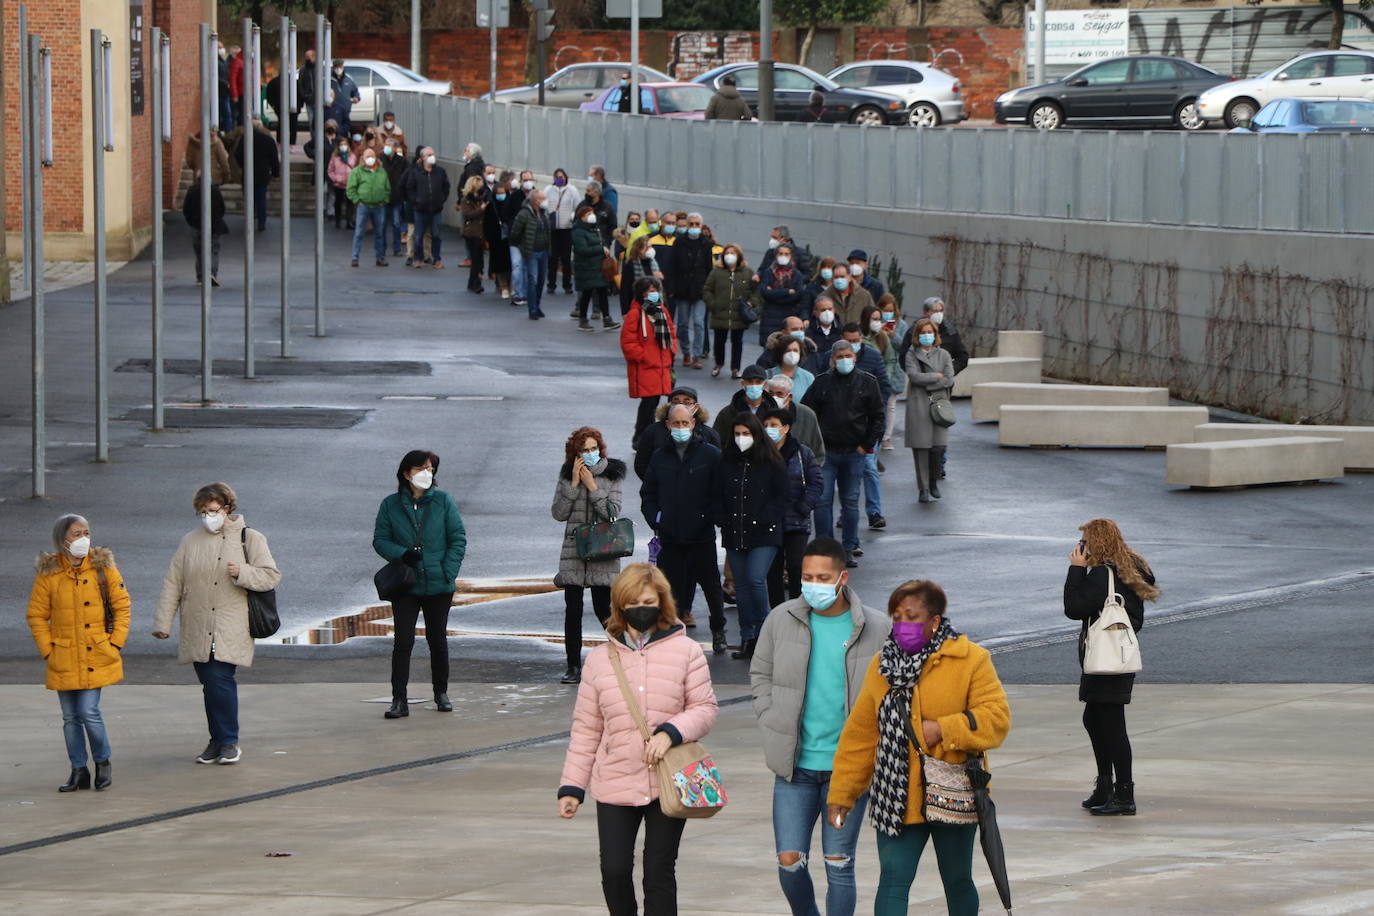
{"type": "Point", "coordinates": [778, 673]}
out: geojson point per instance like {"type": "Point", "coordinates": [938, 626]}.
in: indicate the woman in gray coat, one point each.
{"type": "Point", "coordinates": [588, 490]}
{"type": "Point", "coordinates": [931, 371]}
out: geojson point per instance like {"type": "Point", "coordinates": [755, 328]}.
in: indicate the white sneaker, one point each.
{"type": "Point", "coordinates": [505, 294]}
{"type": "Point", "coordinates": [887, 445]}
{"type": "Point", "coordinates": [229, 753]}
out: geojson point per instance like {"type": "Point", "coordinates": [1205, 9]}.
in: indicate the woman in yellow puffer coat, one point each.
{"type": "Point", "coordinates": [79, 615]}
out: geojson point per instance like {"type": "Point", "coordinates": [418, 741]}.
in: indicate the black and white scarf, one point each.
{"type": "Point", "coordinates": [659, 319]}
{"type": "Point", "coordinates": [892, 770]}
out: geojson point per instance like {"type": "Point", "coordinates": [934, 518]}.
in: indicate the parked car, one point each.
{"type": "Point", "coordinates": [576, 84]}
{"type": "Point", "coordinates": [1317, 74]}
{"type": "Point", "coordinates": [1312, 116]}
{"type": "Point", "coordinates": [669, 100]}
{"type": "Point", "coordinates": [1137, 89]}
{"type": "Point", "coordinates": [792, 89]}
{"type": "Point", "coordinates": [932, 96]}
{"type": "Point", "coordinates": [370, 75]}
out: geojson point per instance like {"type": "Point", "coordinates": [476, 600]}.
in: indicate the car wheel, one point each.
{"type": "Point", "coordinates": [1186, 116]}
{"type": "Point", "coordinates": [1045, 116]}
{"type": "Point", "coordinates": [924, 114]}
{"type": "Point", "coordinates": [1241, 109]}
{"type": "Point", "coordinates": [867, 116]}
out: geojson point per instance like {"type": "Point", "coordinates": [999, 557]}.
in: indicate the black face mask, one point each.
{"type": "Point", "coordinates": [634, 224]}
{"type": "Point", "coordinates": [642, 617]}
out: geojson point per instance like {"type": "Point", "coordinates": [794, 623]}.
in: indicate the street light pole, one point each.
{"type": "Point", "coordinates": [101, 142]}
{"type": "Point", "coordinates": [766, 60]}
{"type": "Point", "coordinates": [160, 124]}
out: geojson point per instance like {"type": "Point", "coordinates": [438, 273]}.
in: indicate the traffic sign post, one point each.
{"type": "Point", "coordinates": [543, 30]}
{"type": "Point", "coordinates": [493, 15]}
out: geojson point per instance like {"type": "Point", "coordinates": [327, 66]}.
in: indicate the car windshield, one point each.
{"type": "Point", "coordinates": [683, 98]}
{"type": "Point", "coordinates": [825, 84]}
{"type": "Point", "coordinates": [1353, 113]}
{"type": "Point", "coordinates": [407, 74]}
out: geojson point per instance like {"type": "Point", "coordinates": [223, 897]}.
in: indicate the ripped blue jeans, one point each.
{"type": "Point", "coordinates": [796, 806]}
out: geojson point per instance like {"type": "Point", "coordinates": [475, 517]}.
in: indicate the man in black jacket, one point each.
{"type": "Point", "coordinates": [657, 435]}
{"type": "Point", "coordinates": [426, 190]}
{"type": "Point", "coordinates": [605, 213]}
{"type": "Point", "coordinates": [849, 407]}
{"type": "Point", "coordinates": [781, 235]}
{"type": "Point", "coordinates": [691, 259]}
{"type": "Point", "coordinates": [675, 498]}
{"type": "Point", "coordinates": [266, 166]}
{"type": "Point", "coordinates": [395, 164]}
{"type": "Point", "coordinates": [473, 164]}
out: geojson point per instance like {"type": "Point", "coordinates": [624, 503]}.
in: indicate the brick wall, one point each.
{"type": "Point", "coordinates": [180, 20]}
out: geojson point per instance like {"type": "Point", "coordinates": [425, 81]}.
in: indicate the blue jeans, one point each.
{"type": "Point", "coordinates": [534, 266]}
{"type": "Point", "coordinates": [517, 272]}
{"type": "Point", "coordinates": [796, 806]}
{"type": "Point", "coordinates": [431, 223]}
{"type": "Point", "coordinates": [81, 720]}
{"type": "Point", "coordinates": [221, 699]}
{"type": "Point", "coordinates": [392, 220]}
{"type": "Point", "coordinates": [847, 467]}
{"type": "Point", "coordinates": [750, 568]}
{"type": "Point", "coordinates": [690, 317]}
{"type": "Point", "coordinates": [873, 494]}
{"type": "Point", "coordinates": [378, 217]}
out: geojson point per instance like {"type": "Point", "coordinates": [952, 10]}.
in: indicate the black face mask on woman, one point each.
{"type": "Point", "coordinates": [641, 617]}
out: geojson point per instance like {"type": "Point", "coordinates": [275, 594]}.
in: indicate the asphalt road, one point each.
{"type": "Point", "coordinates": [495, 396]}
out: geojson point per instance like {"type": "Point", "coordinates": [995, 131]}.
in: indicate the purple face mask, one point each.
{"type": "Point", "coordinates": [910, 637]}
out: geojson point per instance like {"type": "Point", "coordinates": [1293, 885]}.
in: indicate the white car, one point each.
{"type": "Point", "coordinates": [371, 75]}
{"type": "Point", "coordinates": [1318, 74]}
{"type": "Point", "coordinates": [932, 96]}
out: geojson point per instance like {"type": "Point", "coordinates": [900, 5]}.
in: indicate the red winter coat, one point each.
{"type": "Point", "coordinates": [649, 366]}
{"type": "Point", "coordinates": [236, 77]}
{"type": "Point", "coordinates": [672, 682]}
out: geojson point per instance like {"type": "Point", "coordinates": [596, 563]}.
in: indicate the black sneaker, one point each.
{"type": "Point", "coordinates": [210, 754]}
{"type": "Point", "coordinates": [381, 262]}
{"type": "Point", "coordinates": [877, 521]}
{"type": "Point", "coordinates": [229, 754]}
{"type": "Point", "coordinates": [353, 263]}
{"type": "Point", "coordinates": [718, 642]}
{"type": "Point", "coordinates": [572, 676]}
{"type": "Point", "coordinates": [849, 561]}
{"type": "Point", "coordinates": [857, 551]}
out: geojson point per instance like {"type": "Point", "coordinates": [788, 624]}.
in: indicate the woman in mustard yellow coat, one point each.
{"type": "Point", "coordinates": [946, 688]}
{"type": "Point", "coordinates": [80, 639]}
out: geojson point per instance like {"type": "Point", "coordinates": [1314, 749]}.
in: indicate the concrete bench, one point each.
{"type": "Point", "coordinates": [995, 369]}
{"type": "Point", "coordinates": [990, 397]}
{"type": "Point", "coordinates": [1358, 449]}
{"type": "Point", "coordinates": [1245, 462]}
{"type": "Point", "coordinates": [1024, 344]}
{"type": "Point", "coordinates": [1111, 427]}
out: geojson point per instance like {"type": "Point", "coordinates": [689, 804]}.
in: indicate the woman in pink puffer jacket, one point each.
{"type": "Point", "coordinates": [667, 673]}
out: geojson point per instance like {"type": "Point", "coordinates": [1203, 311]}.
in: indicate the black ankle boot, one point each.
{"type": "Point", "coordinates": [399, 709]}
{"type": "Point", "coordinates": [442, 702]}
{"type": "Point", "coordinates": [718, 642]}
{"type": "Point", "coordinates": [1102, 793]}
{"type": "Point", "coordinates": [80, 779]}
{"type": "Point", "coordinates": [1122, 803]}
{"type": "Point", "coordinates": [103, 775]}
{"type": "Point", "coordinates": [746, 651]}
{"type": "Point", "coordinates": [934, 489]}
{"type": "Point", "coordinates": [572, 676]}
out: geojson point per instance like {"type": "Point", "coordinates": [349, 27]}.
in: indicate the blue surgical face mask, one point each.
{"type": "Point", "coordinates": [857, 345]}
{"type": "Point", "coordinates": [842, 283]}
{"type": "Point", "coordinates": [845, 365]}
{"type": "Point", "coordinates": [888, 316]}
{"type": "Point", "coordinates": [819, 595]}
{"type": "Point", "coordinates": [694, 232]}
{"type": "Point", "coordinates": [753, 392]}
{"type": "Point", "coordinates": [827, 273]}
{"type": "Point", "coordinates": [653, 227]}
{"type": "Point", "coordinates": [653, 296]}
{"type": "Point", "coordinates": [591, 459]}
{"type": "Point", "coordinates": [680, 435]}
{"type": "Point", "coordinates": [926, 340]}
{"type": "Point", "coordinates": [500, 197]}
{"type": "Point", "coordinates": [800, 335]}
{"type": "Point", "coordinates": [773, 432]}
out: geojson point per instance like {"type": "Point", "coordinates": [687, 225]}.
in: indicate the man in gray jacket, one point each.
{"type": "Point", "coordinates": [809, 665]}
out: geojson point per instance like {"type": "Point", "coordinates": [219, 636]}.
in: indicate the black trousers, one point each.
{"type": "Point", "coordinates": [585, 297]}
{"type": "Point", "coordinates": [572, 617]}
{"type": "Point", "coordinates": [617, 827]}
{"type": "Point", "coordinates": [736, 344]}
{"type": "Point", "coordinates": [789, 559]}
{"type": "Point", "coordinates": [475, 255]}
{"type": "Point", "coordinates": [688, 565]}
{"type": "Point", "coordinates": [645, 416]}
{"type": "Point", "coordinates": [406, 611]}
{"type": "Point", "coordinates": [560, 253]}
{"type": "Point", "coordinates": [1106, 727]}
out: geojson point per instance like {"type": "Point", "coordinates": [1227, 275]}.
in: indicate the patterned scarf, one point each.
{"type": "Point", "coordinates": [659, 319]}
{"type": "Point", "coordinates": [892, 772]}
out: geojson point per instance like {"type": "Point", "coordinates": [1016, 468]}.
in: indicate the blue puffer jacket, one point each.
{"type": "Point", "coordinates": [443, 541]}
{"type": "Point", "coordinates": [804, 482]}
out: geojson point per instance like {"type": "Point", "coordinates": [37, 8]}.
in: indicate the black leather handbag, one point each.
{"type": "Point", "coordinates": [262, 606]}
{"type": "Point", "coordinates": [747, 313]}
{"type": "Point", "coordinates": [397, 577]}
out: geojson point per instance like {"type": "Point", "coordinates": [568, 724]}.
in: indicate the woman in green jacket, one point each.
{"type": "Point", "coordinates": [588, 251]}
{"type": "Point", "coordinates": [725, 287]}
{"type": "Point", "coordinates": [421, 524]}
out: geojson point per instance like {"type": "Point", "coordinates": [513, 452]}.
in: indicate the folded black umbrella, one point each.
{"type": "Point", "coordinates": [989, 836]}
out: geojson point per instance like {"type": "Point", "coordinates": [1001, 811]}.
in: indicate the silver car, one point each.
{"type": "Point", "coordinates": [932, 96]}
{"type": "Point", "coordinates": [1346, 74]}
{"type": "Point", "coordinates": [577, 83]}
{"type": "Point", "coordinates": [372, 75]}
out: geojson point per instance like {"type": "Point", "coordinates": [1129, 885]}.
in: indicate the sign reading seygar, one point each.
{"type": "Point", "coordinates": [1080, 36]}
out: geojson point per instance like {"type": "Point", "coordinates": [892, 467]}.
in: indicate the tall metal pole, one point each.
{"type": "Point", "coordinates": [765, 111]}
{"type": "Point", "coordinates": [157, 136]}
{"type": "Point", "coordinates": [415, 35]}
{"type": "Point", "coordinates": [209, 118]}
{"type": "Point", "coordinates": [322, 49]}
{"type": "Point", "coordinates": [491, 17]}
{"type": "Point", "coordinates": [40, 92]}
{"type": "Point", "coordinates": [247, 144]}
{"type": "Point", "coordinates": [26, 163]}
{"type": "Point", "coordinates": [285, 109]}
{"type": "Point", "coordinates": [634, 56]}
{"type": "Point", "coordinates": [1039, 41]}
{"type": "Point", "coordinates": [100, 52]}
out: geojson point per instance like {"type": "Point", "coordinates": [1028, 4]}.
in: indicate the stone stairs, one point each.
{"type": "Point", "coordinates": [302, 192]}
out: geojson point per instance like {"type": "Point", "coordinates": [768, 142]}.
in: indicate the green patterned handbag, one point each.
{"type": "Point", "coordinates": [604, 540]}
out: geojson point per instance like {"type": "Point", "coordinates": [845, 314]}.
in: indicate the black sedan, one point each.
{"type": "Point", "coordinates": [1312, 116]}
{"type": "Point", "coordinates": [793, 87]}
{"type": "Point", "coordinates": [1140, 89]}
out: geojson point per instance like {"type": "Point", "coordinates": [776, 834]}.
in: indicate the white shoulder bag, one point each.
{"type": "Point", "coordinates": [1111, 646]}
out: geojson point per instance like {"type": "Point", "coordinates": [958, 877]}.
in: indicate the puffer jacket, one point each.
{"type": "Point", "coordinates": [576, 506]}
{"type": "Point", "coordinates": [728, 105]}
{"type": "Point", "coordinates": [781, 290]}
{"type": "Point", "coordinates": [67, 617]}
{"type": "Point", "coordinates": [425, 189]}
{"type": "Point", "coordinates": [561, 205]}
{"type": "Point", "coordinates": [588, 252]}
{"type": "Point", "coordinates": [675, 497]}
{"type": "Point", "coordinates": [656, 436]}
{"type": "Point", "coordinates": [648, 365]}
{"type": "Point", "coordinates": [370, 187]}
{"type": "Point", "coordinates": [849, 408]}
{"type": "Point", "coordinates": [723, 291]}
{"type": "Point", "coordinates": [340, 168]}
{"type": "Point", "coordinates": [670, 678]}
{"type": "Point", "coordinates": [782, 659]}
{"type": "Point", "coordinates": [473, 210]}
{"type": "Point", "coordinates": [959, 689]}
{"type": "Point", "coordinates": [213, 605]}
{"type": "Point", "coordinates": [804, 485]}
{"type": "Point", "coordinates": [219, 157]}
{"type": "Point", "coordinates": [443, 539]}
{"type": "Point", "coordinates": [749, 502]}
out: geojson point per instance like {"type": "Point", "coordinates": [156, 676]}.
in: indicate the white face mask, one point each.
{"type": "Point", "coordinates": [430, 160]}
{"type": "Point", "coordinates": [648, 252]}
{"type": "Point", "coordinates": [527, 185]}
{"type": "Point", "coordinates": [422, 480]}
{"type": "Point", "coordinates": [731, 260]}
{"type": "Point", "coordinates": [781, 402]}
{"type": "Point", "coordinates": [856, 270]}
{"type": "Point", "coordinates": [791, 358]}
{"type": "Point", "coordinates": [213, 521]}
{"type": "Point", "coordinates": [389, 125]}
{"type": "Point", "coordinates": [79, 547]}
{"type": "Point", "coordinates": [827, 317]}
{"type": "Point", "coordinates": [744, 443]}
{"type": "Point", "coordinates": [589, 218]}
{"type": "Point", "coordinates": [783, 260]}
{"type": "Point", "coordinates": [774, 243]}
{"type": "Point", "coordinates": [369, 161]}
{"type": "Point", "coordinates": [938, 318]}
{"type": "Point", "coordinates": [491, 179]}
{"type": "Point", "coordinates": [875, 326]}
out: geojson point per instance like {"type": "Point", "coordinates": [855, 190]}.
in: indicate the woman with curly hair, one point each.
{"type": "Point", "coordinates": [588, 490]}
{"type": "Point", "coordinates": [1105, 696]}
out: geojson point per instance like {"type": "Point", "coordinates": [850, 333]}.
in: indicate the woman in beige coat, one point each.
{"type": "Point", "coordinates": [208, 582]}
